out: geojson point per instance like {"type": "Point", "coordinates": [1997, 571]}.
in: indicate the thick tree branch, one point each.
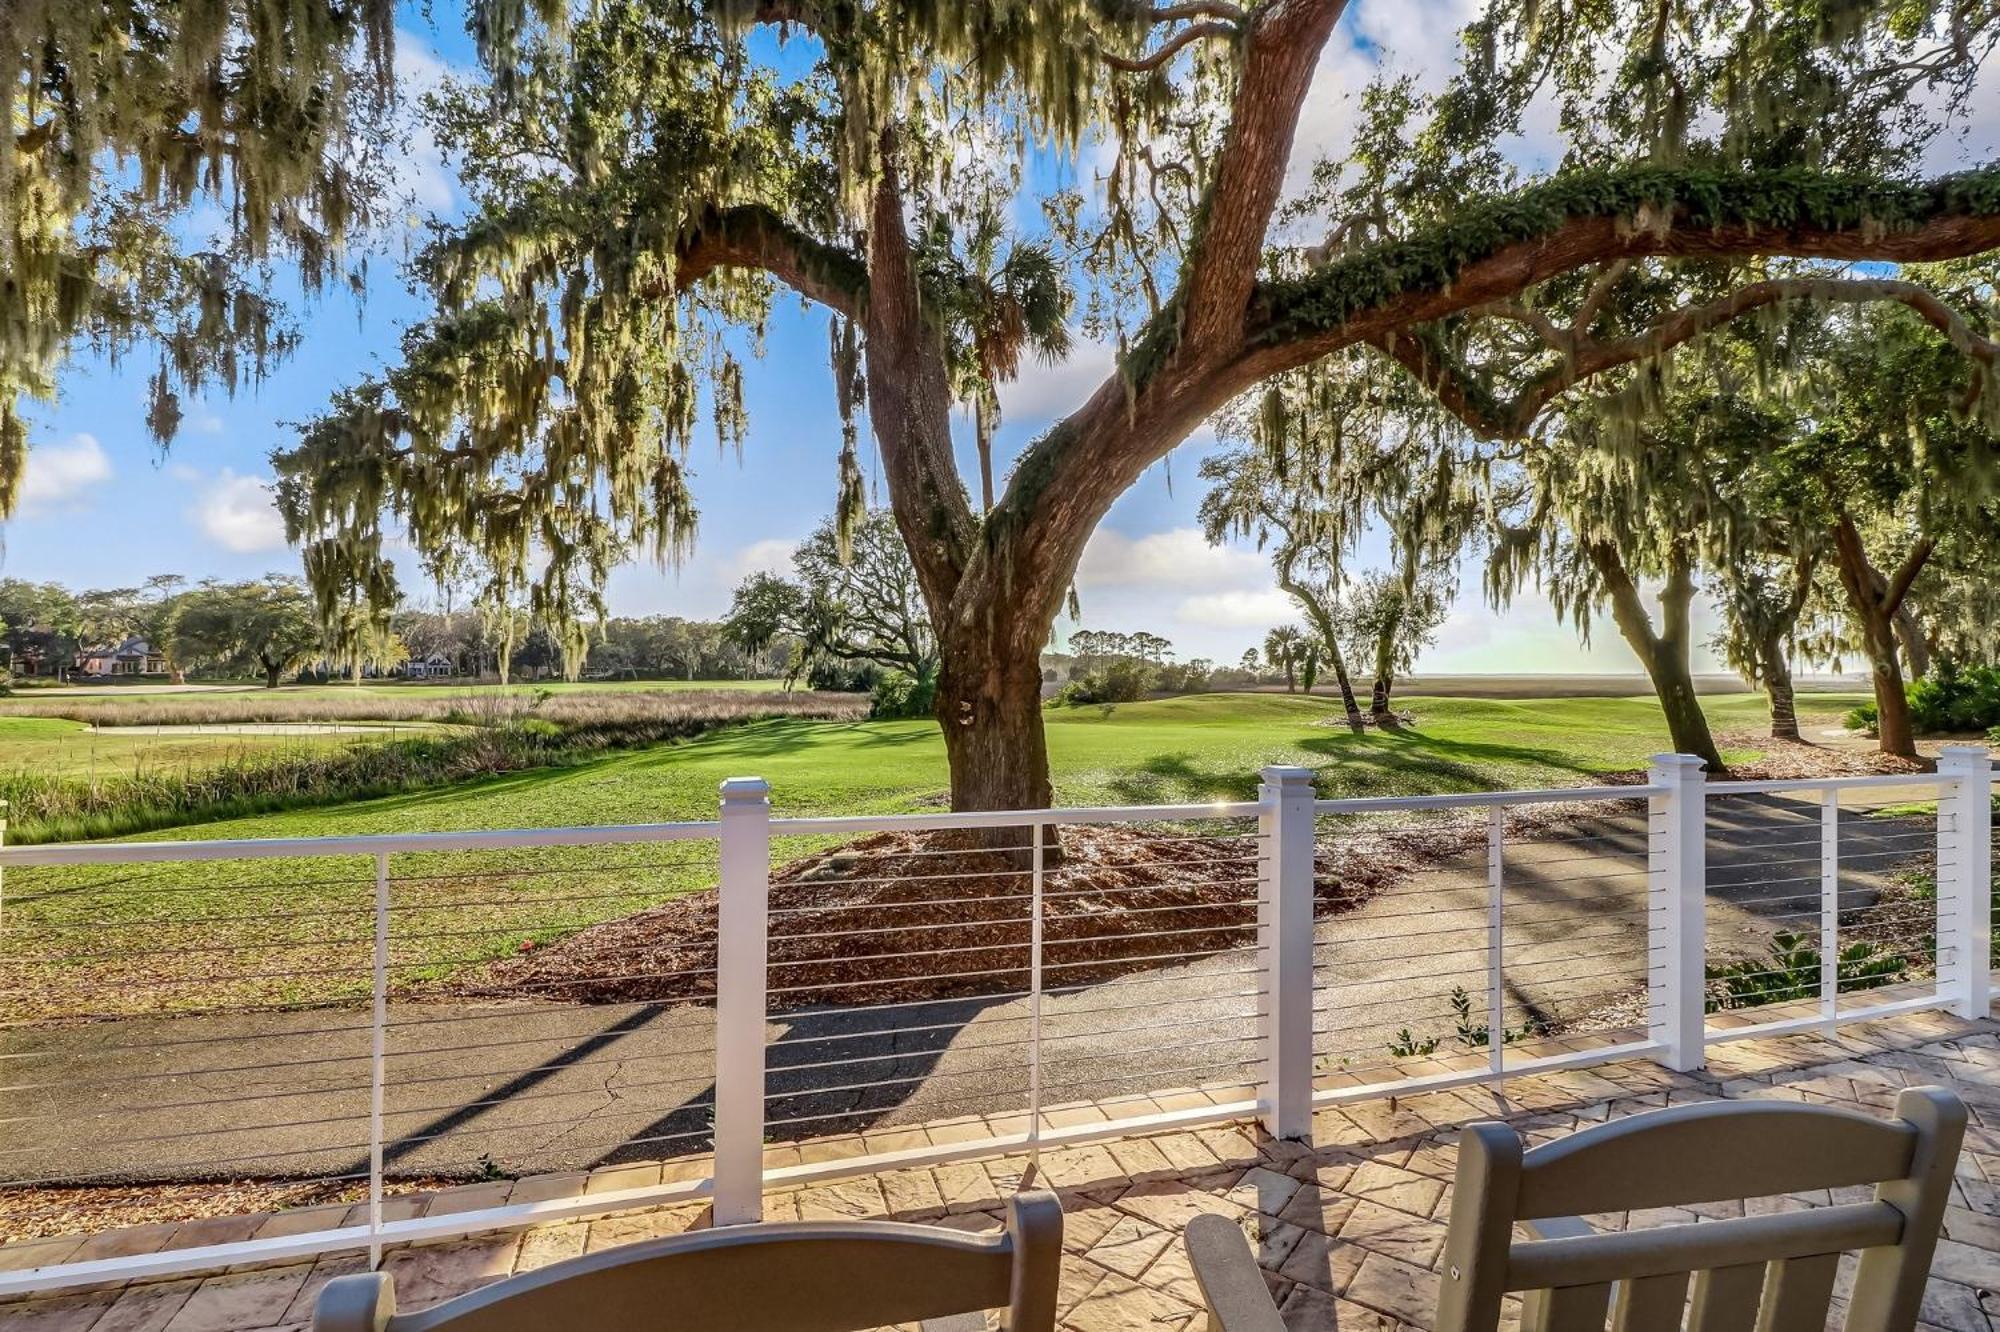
{"type": "Point", "coordinates": [1281, 47]}
{"type": "Point", "coordinates": [1906, 574]}
{"type": "Point", "coordinates": [909, 402]}
{"type": "Point", "coordinates": [1168, 49]}
{"type": "Point", "coordinates": [1459, 393]}
{"type": "Point", "coordinates": [1379, 294]}
{"type": "Point", "coordinates": [750, 236]}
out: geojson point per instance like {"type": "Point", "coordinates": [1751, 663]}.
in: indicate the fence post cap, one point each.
{"type": "Point", "coordinates": [1964, 754]}
{"type": "Point", "coordinates": [1680, 763]}
{"type": "Point", "coordinates": [745, 789]}
{"type": "Point", "coordinates": [1286, 777]}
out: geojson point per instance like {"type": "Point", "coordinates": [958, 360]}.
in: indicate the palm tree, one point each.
{"type": "Point", "coordinates": [1002, 307]}
{"type": "Point", "coordinates": [1282, 648]}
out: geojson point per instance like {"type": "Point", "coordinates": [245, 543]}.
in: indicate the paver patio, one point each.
{"type": "Point", "coordinates": [1347, 1230]}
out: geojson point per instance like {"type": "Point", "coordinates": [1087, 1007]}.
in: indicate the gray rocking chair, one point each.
{"type": "Point", "coordinates": [832, 1276]}
{"type": "Point", "coordinates": [1772, 1272]}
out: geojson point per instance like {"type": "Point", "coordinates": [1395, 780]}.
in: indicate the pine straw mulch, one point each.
{"type": "Point", "coordinates": [895, 917]}
{"type": "Point", "coordinates": [1786, 760]}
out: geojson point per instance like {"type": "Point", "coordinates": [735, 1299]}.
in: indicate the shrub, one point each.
{"type": "Point", "coordinates": [899, 695]}
{"type": "Point", "coordinates": [1120, 680]}
{"type": "Point", "coordinates": [1953, 698]}
{"type": "Point", "coordinates": [846, 677]}
{"type": "Point", "coordinates": [1861, 719]}
{"type": "Point", "coordinates": [1790, 970]}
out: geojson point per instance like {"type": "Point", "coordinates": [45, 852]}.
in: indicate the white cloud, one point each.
{"type": "Point", "coordinates": [1257, 610]}
{"type": "Point", "coordinates": [771, 555]}
{"type": "Point", "coordinates": [1179, 557]}
{"type": "Point", "coordinates": [236, 513]}
{"type": "Point", "coordinates": [60, 475]}
{"type": "Point", "coordinates": [1044, 391]}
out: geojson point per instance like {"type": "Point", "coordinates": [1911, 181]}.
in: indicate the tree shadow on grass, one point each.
{"type": "Point", "coordinates": [1175, 779]}
{"type": "Point", "coordinates": [1388, 762]}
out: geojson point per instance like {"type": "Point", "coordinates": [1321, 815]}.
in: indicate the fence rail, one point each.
{"type": "Point", "coordinates": [620, 1016]}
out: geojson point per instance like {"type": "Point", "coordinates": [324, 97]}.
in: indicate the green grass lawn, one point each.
{"type": "Point", "coordinates": [130, 938]}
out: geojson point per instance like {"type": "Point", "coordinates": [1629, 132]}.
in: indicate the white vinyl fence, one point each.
{"type": "Point", "coordinates": [593, 1019]}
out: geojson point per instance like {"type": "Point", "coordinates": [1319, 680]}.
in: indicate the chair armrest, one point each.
{"type": "Point", "coordinates": [1231, 1283]}
{"type": "Point", "coordinates": [364, 1302]}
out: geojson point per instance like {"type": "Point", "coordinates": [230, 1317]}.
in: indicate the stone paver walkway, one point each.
{"type": "Point", "coordinates": [1347, 1230]}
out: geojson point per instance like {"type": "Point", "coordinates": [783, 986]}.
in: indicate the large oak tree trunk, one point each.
{"type": "Point", "coordinates": [989, 704]}
{"type": "Point", "coordinates": [1776, 669]}
{"type": "Point", "coordinates": [1664, 654]}
{"type": "Point", "coordinates": [1874, 600]}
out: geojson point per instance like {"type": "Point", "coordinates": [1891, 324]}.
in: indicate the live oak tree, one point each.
{"type": "Point", "coordinates": [649, 174]}
{"type": "Point", "coordinates": [267, 625]}
{"type": "Point", "coordinates": [851, 598]}
{"type": "Point", "coordinates": [1763, 601]}
{"type": "Point", "coordinates": [1598, 522]}
{"type": "Point", "coordinates": [1248, 498]}
{"type": "Point", "coordinates": [1393, 617]}
{"type": "Point", "coordinates": [1898, 465]}
{"type": "Point", "coordinates": [120, 117]}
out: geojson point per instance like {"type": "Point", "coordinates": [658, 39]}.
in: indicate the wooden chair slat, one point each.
{"type": "Point", "coordinates": [1650, 1304]}
{"type": "Point", "coordinates": [1725, 1299]}
{"type": "Point", "coordinates": [1797, 1293]}
{"type": "Point", "coordinates": [1566, 1309]}
{"type": "Point", "coordinates": [796, 1277]}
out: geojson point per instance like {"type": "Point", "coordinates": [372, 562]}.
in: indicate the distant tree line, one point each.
{"type": "Point", "coordinates": [268, 629]}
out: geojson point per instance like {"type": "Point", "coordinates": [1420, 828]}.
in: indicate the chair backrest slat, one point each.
{"type": "Point", "coordinates": [1650, 1304]}
{"type": "Point", "coordinates": [1767, 1148]}
{"type": "Point", "coordinates": [1797, 1293]}
{"type": "Point", "coordinates": [1725, 1299]}
{"type": "Point", "coordinates": [1566, 1309]}
{"type": "Point", "coordinates": [1767, 1272]}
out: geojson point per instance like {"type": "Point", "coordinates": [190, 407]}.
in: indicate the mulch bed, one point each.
{"type": "Point", "coordinates": [895, 917]}
{"type": "Point", "coordinates": [1787, 760]}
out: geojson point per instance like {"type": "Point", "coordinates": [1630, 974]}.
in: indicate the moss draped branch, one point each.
{"type": "Point", "coordinates": [1379, 294]}
{"type": "Point", "coordinates": [1455, 386]}
{"type": "Point", "coordinates": [752, 236]}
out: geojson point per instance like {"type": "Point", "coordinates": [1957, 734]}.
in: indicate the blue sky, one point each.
{"type": "Point", "coordinates": [103, 507]}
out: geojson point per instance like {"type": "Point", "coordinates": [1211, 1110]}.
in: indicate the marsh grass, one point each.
{"type": "Point", "coordinates": [468, 737]}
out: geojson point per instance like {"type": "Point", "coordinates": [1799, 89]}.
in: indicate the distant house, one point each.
{"type": "Point", "coordinates": [133, 656]}
{"type": "Point", "coordinates": [437, 666]}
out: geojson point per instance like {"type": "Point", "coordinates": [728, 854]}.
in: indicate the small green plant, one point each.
{"type": "Point", "coordinates": [1863, 719]}
{"type": "Point", "coordinates": [1408, 1046]}
{"type": "Point", "coordinates": [1790, 970]}
{"type": "Point", "coordinates": [1475, 1035]}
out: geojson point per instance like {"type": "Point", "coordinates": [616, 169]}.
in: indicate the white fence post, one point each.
{"type": "Point", "coordinates": [1285, 927]}
{"type": "Point", "coordinates": [741, 922]}
{"type": "Point", "coordinates": [1677, 882]}
{"type": "Point", "coordinates": [1965, 879]}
